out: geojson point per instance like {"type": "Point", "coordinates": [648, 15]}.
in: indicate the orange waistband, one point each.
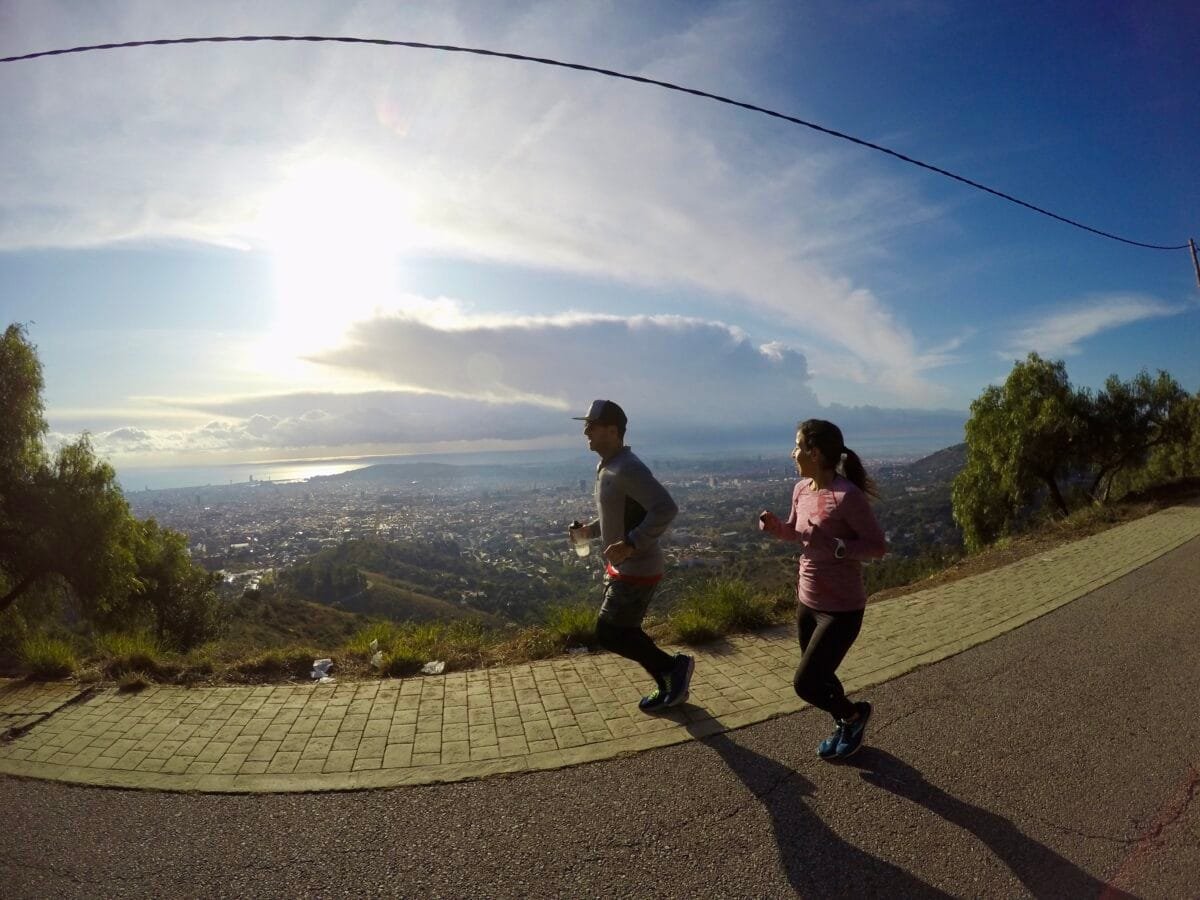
{"type": "Point", "coordinates": [630, 579]}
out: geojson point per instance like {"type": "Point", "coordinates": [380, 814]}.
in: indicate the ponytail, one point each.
{"type": "Point", "coordinates": [853, 468]}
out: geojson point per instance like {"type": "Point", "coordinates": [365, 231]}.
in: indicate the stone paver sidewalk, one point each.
{"type": "Point", "coordinates": [535, 716]}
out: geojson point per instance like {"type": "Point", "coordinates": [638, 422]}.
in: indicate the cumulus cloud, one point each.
{"type": "Point", "coordinates": [676, 367]}
{"type": "Point", "coordinates": [1060, 332]}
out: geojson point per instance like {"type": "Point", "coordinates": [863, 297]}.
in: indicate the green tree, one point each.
{"type": "Point", "coordinates": [64, 524]}
{"type": "Point", "coordinates": [178, 595]}
{"type": "Point", "coordinates": [1128, 420]}
{"type": "Point", "coordinates": [1022, 437]}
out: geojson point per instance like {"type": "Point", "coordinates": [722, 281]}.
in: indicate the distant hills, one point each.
{"type": "Point", "coordinates": [940, 466]}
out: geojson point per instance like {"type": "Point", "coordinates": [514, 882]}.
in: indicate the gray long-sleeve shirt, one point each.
{"type": "Point", "coordinates": [634, 507]}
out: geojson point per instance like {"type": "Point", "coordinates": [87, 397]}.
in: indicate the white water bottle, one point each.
{"type": "Point", "coordinates": [579, 540]}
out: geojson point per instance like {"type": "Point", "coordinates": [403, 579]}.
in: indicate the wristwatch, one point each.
{"type": "Point", "coordinates": [840, 550]}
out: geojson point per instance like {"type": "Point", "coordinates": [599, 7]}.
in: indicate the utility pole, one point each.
{"type": "Point", "coordinates": [1195, 261]}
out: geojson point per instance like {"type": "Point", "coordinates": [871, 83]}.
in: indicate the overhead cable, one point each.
{"type": "Point", "coordinates": [520, 57]}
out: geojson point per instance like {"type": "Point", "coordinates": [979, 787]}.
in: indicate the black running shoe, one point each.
{"type": "Point", "coordinates": [680, 679]}
{"type": "Point", "coordinates": [656, 699]}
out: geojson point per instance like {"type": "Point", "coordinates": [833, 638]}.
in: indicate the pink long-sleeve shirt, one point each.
{"type": "Point", "coordinates": [817, 520]}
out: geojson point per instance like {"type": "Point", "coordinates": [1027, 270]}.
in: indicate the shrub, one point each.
{"type": "Point", "coordinates": [278, 662]}
{"type": "Point", "coordinates": [406, 647]}
{"type": "Point", "coordinates": [720, 606]}
{"type": "Point", "coordinates": [130, 652]}
{"type": "Point", "coordinates": [132, 682]}
{"type": "Point", "coordinates": [571, 624]}
{"type": "Point", "coordinates": [47, 657]}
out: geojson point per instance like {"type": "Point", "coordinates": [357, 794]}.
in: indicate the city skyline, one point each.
{"type": "Point", "coordinates": [229, 253]}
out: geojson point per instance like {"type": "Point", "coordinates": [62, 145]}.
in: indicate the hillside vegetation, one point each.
{"type": "Point", "coordinates": [1043, 463]}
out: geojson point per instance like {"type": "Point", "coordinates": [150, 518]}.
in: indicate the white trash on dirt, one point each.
{"type": "Point", "coordinates": [377, 659]}
{"type": "Point", "coordinates": [320, 669]}
{"type": "Point", "coordinates": [437, 667]}
{"type": "Point", "coordinates": [374, 644]}
{"type": "Point", "coordinates": [576, 651]}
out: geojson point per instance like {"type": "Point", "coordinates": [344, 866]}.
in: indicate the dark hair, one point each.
{"type": "Point", "coordinates": [827, 439]}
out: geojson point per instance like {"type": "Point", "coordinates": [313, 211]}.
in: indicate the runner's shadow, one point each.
{"type": "Point", "coordinates": [1044, 872]}
{"type": "Point", "coordinates": [817, 861]}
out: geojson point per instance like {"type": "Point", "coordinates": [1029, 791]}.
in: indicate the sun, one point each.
{"type": "Point", "coordinates": [335, 231]}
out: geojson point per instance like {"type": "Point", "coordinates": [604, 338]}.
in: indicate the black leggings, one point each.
{"type": "Point", "coordinates": [825, 638]}
{"type": "Point", "coordinates": [635, 644]}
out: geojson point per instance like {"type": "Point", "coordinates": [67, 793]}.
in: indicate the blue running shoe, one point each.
{"type": "Point", "coordinates": [680, 679]}
{"type": "Point", "coordinates": [853, 732]}
{"type": "Point", "coordinates": [827, 749]}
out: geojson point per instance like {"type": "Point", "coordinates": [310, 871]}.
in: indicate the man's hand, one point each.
{"type": "Point", "coordinates": [617, 553]}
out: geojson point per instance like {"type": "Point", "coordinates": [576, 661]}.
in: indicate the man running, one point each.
{"type": "Point", "coordinates": [634, 510]}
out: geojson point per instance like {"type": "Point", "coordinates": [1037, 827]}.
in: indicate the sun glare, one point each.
{"type": "Point", "coordinates": [335, 231]}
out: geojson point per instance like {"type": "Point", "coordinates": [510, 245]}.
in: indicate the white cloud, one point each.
{"type": "Point", "coordinates": [514, 379]}
{"type": "Point", "coordinates": [503, 162]}
{"type": "Point", "coordinates": [1060, 332]}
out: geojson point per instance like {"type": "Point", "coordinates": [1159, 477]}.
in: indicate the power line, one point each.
{"type": "Point", "coordinates": [520, 57]}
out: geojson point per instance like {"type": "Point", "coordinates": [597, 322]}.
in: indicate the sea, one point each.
{"type": "Point", "coordinates": [133, 478]}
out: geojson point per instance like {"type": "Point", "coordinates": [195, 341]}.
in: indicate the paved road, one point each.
{"type": "Point", "coordinates": [1061, 759]}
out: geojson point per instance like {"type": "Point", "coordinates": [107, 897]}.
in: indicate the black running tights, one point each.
{"type": "Point", "coordinates": [825, 638]}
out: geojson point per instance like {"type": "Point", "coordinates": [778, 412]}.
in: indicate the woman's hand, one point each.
{"type": "Point", "coordinates": [768, 521]}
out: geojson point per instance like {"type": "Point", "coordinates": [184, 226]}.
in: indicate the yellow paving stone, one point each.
{"type": "Point", "coordinates": [263, 751]}
{"type": "Point", "coordinates": [402, 734]}
{"type": "Point", "coordinates": [560, 718]}
{"type": "Point", "coordinates": [294, 742]}
{"type": "Point", "coordinates": [543, 746]}
{"type": "Point", "coordinates": [339, 761]}
{"type": "Point", "coordinates": [347, 740]}
{"type": "Point", "coordinates": [456, 732]}
{"type": "Point", "coordinates": [455, 752]}
{"type": "Point", "coordinates": [512, 746]}
{"type": "Point", "coordinates": [369, 762]}
{"type": "Point", "coordinates": [482, 716]}
{"type": "Point", "coordinates": [538, 731]}
{"type": "Point", "coordinates": [429, 723]}
{"type": "Point", "coordinates": [397, 755]}
{"type": "Point", "coordinates": [283, 762]}
{"type": "Point", "coordinates": [427, 759]}
{"type": "Point", "coordinates": [372, 747]}
{"type": "Point", "coordinates": [569, 736]}
{"type": "Point", "coordinates": [229, 764]}
{"type": "Point", "coordinates": [192, 746]}
{"type": "Point", "coordinates": [482, 753]}
{"type": "Point", "coordinates": [326, 728]}
{"type": "Point", "coordinates": [482, 735]}
{"type": "Point", "coordinates": [213, 751]}
{"type": "Point", "coordinates": [430, 742]}
{"type": "Point", "coordinates": [304, 725]}
{"type": "Point", "coordinates": [176, 765]}
{"type": "Point", "coordinates": [377, 727]}
{"type": "Point", "coordinates": [130, 760]}
{"type": "Point", "coordinates": [532, 711]}
{"type": "Point", "coordinates": [510, 726]}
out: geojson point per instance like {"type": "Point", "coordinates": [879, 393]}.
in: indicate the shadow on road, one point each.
{"type": "Point", "coordinates": [817, 861]}
{"type": "Point", "coordinates": [1044, 872]}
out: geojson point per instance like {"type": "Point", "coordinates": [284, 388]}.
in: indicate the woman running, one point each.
{"type": "Point", "coordinates": [832, 518]}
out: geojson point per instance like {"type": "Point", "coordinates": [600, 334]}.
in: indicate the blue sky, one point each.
{"type": "Point", "coordinates": [240, 252]}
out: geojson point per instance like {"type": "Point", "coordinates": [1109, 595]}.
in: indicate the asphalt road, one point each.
{"type": "Point", "coordinates": [1060, 760]}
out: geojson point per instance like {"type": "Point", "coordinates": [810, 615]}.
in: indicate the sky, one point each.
{"type": "Point", "coordinates": [239, 252]}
